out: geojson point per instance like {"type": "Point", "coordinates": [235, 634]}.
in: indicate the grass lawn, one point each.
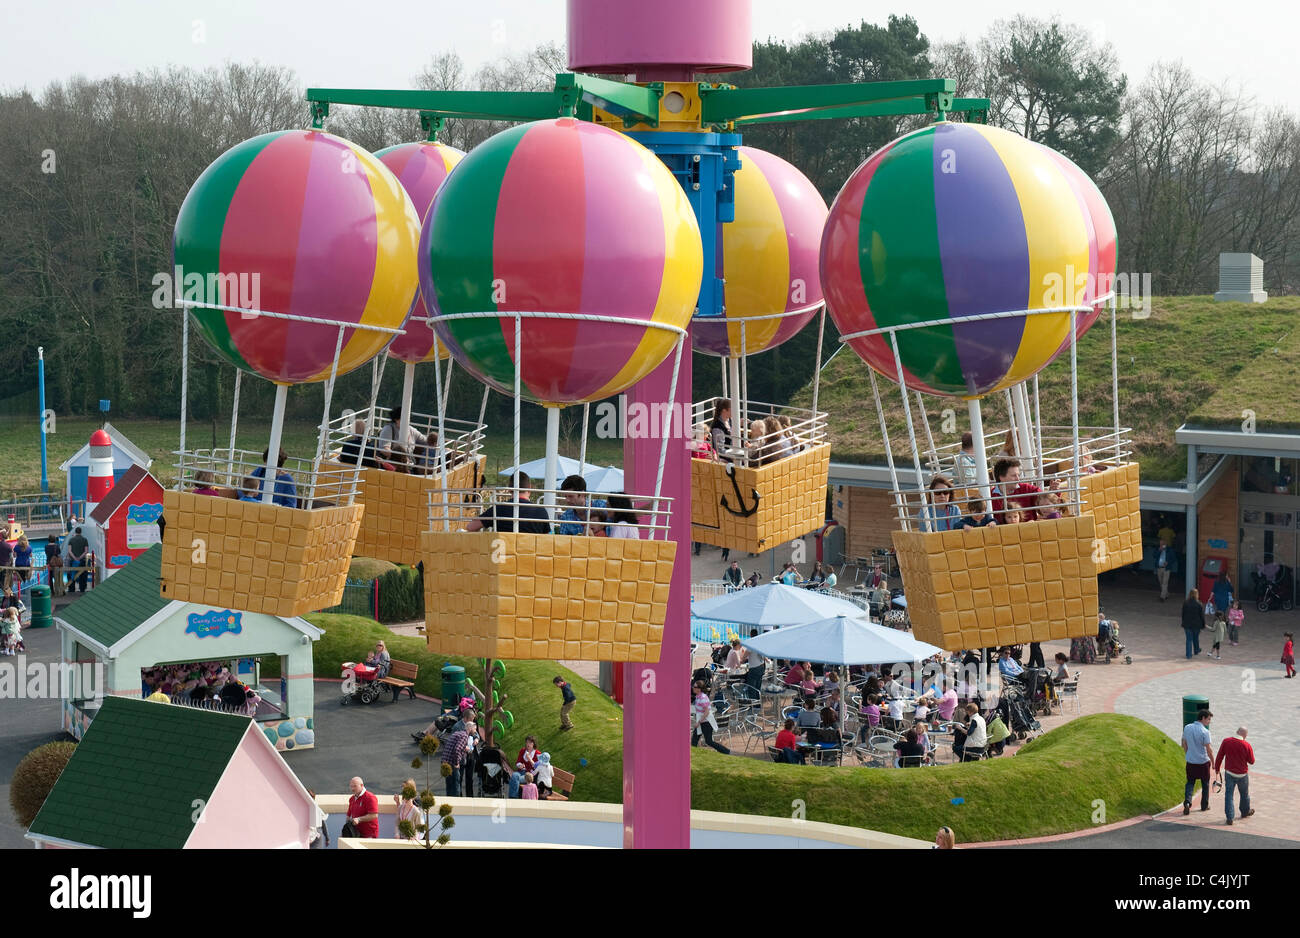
{"type": "Point", "coordinates": [1048, 788]}
{"type": "Point", "coordinates": [20, 441]}
{"type": "Point", "coordinates": [1192, 360]}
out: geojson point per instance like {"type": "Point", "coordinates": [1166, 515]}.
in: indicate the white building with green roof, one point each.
{"type": "Point", "coordinates": [124, 627]}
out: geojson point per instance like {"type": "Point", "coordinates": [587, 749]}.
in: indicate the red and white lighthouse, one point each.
{"type": "Point", "coordinates": [100, 477]}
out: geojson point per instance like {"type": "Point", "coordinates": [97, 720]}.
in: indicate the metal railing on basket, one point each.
{"type": "Point", "coordinates": [454, 509]}
{"type": "Point", "coordinates": [1031, 497]}
{"type": "Point", "coordinates": [230, 473]}
{"type": "Point", "coordinates": [1099, 447]}
{"type": "Point", "coordinates": [464, 442]}
{"type": "Point", "coordinates": [807, 429]}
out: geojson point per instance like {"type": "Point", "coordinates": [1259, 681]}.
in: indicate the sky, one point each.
{"type": "Point", "coordinates": [333, 43]}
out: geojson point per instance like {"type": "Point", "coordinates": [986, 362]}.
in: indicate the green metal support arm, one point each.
{"type": "Point", "coordinates": [977, 107]}
{"type": "Point", "coordinates": [473, 105]}
{"type": "Point", "coordinates": [722, 105]}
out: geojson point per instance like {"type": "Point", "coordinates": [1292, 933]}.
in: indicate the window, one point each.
{"type": "Point", "coordinates": [1271, 475]}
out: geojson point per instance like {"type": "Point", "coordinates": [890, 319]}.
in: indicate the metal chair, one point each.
{"type": "Point", "coordinates": [1068, 690]}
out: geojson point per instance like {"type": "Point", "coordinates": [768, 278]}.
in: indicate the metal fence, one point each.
{"type": "Point", "coordinates": [360, 598]}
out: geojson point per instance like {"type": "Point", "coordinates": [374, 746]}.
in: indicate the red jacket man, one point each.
{"type": "Point", "coordinates": [1009, 488]}
{"type": "Point", "coordinates": [363, 809]}
{"type": "Point", "coordinates": [1236, 756]}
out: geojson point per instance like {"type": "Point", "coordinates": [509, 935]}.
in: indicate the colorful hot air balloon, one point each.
{"type": "Point", "coordinates": [421, 169]}
{"type": "Point", "coordinates": [768, 257]}
{"type": "Point", "coordinates": [319, 228]}
{"type": "Point", "coordinates": [561, 216]}
{"type": "Point", "coordinates": [959, 220]}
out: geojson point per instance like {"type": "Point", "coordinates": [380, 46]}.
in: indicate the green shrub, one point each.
{"type": "Point", "coordinates": [401, 595]}
{"type": "Point", "coordinates": [35, 777]}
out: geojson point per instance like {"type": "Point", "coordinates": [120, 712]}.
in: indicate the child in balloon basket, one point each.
{"type": "Point", "coordinates": [1288, 654]}
{"type": "Point", "coordinates": [979, 516]}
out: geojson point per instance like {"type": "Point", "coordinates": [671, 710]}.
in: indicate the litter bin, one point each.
{"type": "Point", "coordinates": [1193, 706]}
{"type": "Point", "coordinates": [42, 608]}
{"type": "Point", "coordinates": [453, 685]}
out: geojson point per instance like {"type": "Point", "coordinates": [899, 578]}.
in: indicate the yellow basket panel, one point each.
{"type": "Point", "coordinates": [523, 607]}
{"type": "Point", "coordinates": [959, 598]}
{"type": "Point", "coordinates": [1111, 497]}
{"type": "Point", "coordinates": [218, 552]}
{"type": "Point", "coordinates": [791, 501]}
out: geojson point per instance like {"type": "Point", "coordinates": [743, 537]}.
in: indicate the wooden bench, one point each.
{"type": "Point", "coordinates": [401, 676]}
{"type": "Point", "coordinates": [563, 787]}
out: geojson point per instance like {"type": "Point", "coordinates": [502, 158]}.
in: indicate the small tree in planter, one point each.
{"type": "Point", "coordinates": [445, 822]}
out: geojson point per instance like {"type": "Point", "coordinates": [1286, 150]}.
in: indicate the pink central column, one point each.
{"type": "Point", "coordinates": [656, 697]}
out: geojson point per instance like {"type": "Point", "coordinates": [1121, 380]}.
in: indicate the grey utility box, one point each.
{"type": "Point", "coordinates": [1241, 279]}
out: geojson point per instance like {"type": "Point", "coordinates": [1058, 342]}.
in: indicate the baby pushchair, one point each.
{"type": "Point", "coordinates": [1108, 642]}
{"type": "Point", "coordinates": [1272, 592]}
{"type": "Point", "coordinates": [493, 779]}
{"type": "Point", "coordinates": [360, 682]}
{"type": "Point", "coordinates": [1017, 713]}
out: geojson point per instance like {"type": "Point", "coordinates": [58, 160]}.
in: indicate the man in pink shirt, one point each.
{"type": "Point", "coordinates": [1234, 761]}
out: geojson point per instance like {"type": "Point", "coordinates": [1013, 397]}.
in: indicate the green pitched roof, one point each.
{"type": "Point", "coordinates": [110, 611]}
{"type": "Point", "coordinates": [115, 793]}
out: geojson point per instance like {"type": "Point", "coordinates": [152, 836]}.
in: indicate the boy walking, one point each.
{"type": "Point", "coordinates": [569, 698]}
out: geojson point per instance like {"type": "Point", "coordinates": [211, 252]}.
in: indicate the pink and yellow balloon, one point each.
{"type": "Point", "coordinates": [768, 258]}
{"type": "Point", "coordinates": [421, 168]}
{"type": "Point", "coordinates": [315, 227]}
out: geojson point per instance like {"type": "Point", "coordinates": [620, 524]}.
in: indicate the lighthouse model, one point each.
{"type": "Point", "coordinates": [100, 478]}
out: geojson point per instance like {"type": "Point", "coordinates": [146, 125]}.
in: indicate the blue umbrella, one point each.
{"type": "Point", "coordinates": [774, 604]}
{"type": "Point", "coordinates": [841, 640]}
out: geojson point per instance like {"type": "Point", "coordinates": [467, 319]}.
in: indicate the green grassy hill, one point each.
{"type": "Point", "coordinates": [1192, 360]}
{"type": "Point", "coordinates": [1049, 787]}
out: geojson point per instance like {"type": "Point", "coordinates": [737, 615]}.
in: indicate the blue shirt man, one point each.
{"type": "Point", "coordinates": [286, 493]}
{"type": "Point", "coordinates": [1196, 744]}
{"type": "Point", "coordinates": [574, 492]}
{"type": "Point", "coordinates": [1009, 666]}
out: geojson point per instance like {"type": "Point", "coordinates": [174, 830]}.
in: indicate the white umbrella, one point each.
{"type": "Point", "coordinates": [567, 467]}
{"type": "Point", "coordinates": [606, 479]}
{"type": "Point", "coordinates": [841, 640]}
{"type": "Point", "coordinates": [774, 604]}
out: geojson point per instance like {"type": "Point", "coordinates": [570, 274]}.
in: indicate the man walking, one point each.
{"type": "Point", "coordinates": [1196, 744]}
{"type": "Point", "coordinates": [1164, 562]}
{"type": "Point", "coordinates": [78, 548]}
{"type": "Point", "coordinates": [1234, 760]}
{"type": "Point", "coordinates": [363, 808]}
{"type": "Point", "coordinates": [454, 753]}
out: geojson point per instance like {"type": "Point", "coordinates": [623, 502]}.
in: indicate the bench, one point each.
{"type": "Point", "coordinates": [563, 785]}
{"type": "Point", "coordinates": [401, 676]}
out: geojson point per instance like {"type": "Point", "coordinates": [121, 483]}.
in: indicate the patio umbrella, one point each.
{"type": "Point", "coordinates": [567, 467]}
{"type": "Point", "coordinates": [606, 479]}
{"type": "Point", "coordinates": [841, 640]}
{"type": "Point", "coordinates": [774, 604]}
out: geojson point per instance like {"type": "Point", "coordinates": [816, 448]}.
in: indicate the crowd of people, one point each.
{"type": "Point", "coordinates": [200, 683]}
{"type": "Point", "coordinates": [582, 513]}
{"type": "Point", "coordinates": [769, 439]}
{"type": "Point", "coordinates": [412, 452]}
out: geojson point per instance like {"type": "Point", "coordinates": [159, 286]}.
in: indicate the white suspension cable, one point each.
{"type": "Point", "coordinates": [185, 394]}
{"type": "Point", "coordinates": [1114, 377]}
{"type": "Point", "coordinates": [442, 420]}
{"type": "Point", "coordinates": [817, 376]}
{"type": "Point", "coordinates": [519, 358]}
{"type": "Point", "coordinates": [582, 450]}
{"type": "Point", "coordinates": [234, 423]}
{"type": "Point", "coordinates": [1074, 395]}
{"type": "Point", "coordinates": [889, 451]}
{"type": "Point", "coordinates": [927, 512]}
{"type": "Point", "coordinates": [325, 420]}
{"type": "Point", "coordinates": [933, 454]}
{"type": "Point", "coordinates": [1038, 419]}
{"type": "Point", "coordinates": [667, 426]}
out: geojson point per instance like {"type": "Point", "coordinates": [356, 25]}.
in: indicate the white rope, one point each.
{"type": "Point", "coordinates": [889, 452]}
{"type": "Point", "coordinates": [582, 450]}
{"type": "Point", "coordinates": [442, 417]}
{"type": "Point", "coordinates": [234, 420]}
{"type": "Point", "coordinates": [1114, 374]}
{"type": "Point", "coordinates": [935, 465]}
{"type": "Point", "coordinates": [325, 420]}
{"type": "Point", "coordinates": [977, 317]}
{"type": "Point", "coordinates": [667, 426]}
{"type": "Point", "coordinates": [292, 317]}
{"type": "Point", "coordinates": [817, 377]}
{"type": "Point", "coordinates": [1074, 394]}
{"type": "Point", "coordinates": [911, 435]}
{"type": "Point", "coordinates": [185, 392]}
{"type": "Point", "coordinates": [519, 358]}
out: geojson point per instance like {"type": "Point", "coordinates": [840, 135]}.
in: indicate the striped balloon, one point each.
{"type": "Point", "coordinates": [959, 220]}
{"type": "Point", "coordinates": [421, 168]}
{"type": "Point", "coordinates": [320, 228]}
{"type": "Point", "coordinates": [560, 216]}
{"type": "Point", "coordinates": [768, 257]}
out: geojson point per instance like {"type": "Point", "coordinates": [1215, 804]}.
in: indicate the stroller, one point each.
{"type": "Point", "coordinates": [1275, 591]}
{"type": "Point", "coordinates": [360, 682]}
{"type": "Point", "coordinates": [492, 784]}
{"type": "Point", "coordinates": [1018, 713]}
{"type": "Point", "coordinates": [1108, 642]}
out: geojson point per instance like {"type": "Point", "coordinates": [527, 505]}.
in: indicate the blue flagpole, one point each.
{"type": "Point", "coordinates": [40, 381]}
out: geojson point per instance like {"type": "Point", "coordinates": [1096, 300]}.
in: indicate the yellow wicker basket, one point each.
{"type": "Point", "coordinates": [260, 558]}
{"type": "Point", "coordinates": [755, 509]}
{"type": "Point", "coordinates": [545, 596]}
{"type": "Point", "coordinates": [999, 585]}
{"type": "Point", "coordinates": [1111, 497]}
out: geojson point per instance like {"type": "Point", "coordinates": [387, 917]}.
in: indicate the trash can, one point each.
{"type": "Point", "coordinates": [42, 608]}
{"type": "Point", "coordinates": [453, 685]}
{"type": "Point", "coordinates": [1193, 706]}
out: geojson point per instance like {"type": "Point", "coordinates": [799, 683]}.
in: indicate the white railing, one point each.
{"type": "Point", "coordinates": [229, 473]}
{"type": "Point", "coordinates": [648, 517]}
{"type": "Point", "coordinates": [464, 442]}
{"type": "Point", "coordinates": [801, 429]}
{"type": "Point", "coordinates": [938, 508]}
{"type": "Point", "coordinates": [1099, 447]}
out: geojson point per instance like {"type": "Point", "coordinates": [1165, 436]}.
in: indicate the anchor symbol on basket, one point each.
{"type": "Point", "coordinates": [742, 512]}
